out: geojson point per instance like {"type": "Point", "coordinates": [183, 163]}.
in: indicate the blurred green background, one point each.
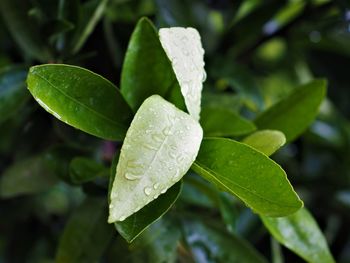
{"type": "Point", "coordinates": [256, 53]}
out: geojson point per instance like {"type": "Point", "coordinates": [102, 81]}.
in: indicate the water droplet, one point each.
{"type": "Point", "coordinates": [111, 206]}
{"type": "Point", "coordinates": [163, 191]}
{"type": "Point", "coordinates": [147, 190]}
{"type": "Point", "coordinates": [148, 131]}
{"type": "Point", "coordinates": [204, 77]}
{"type": "Point", "coordinates": [132, 177]}
{"type": "Point", "coordinates": [155, 186]}
{"type": "Point", "coordinates": [155, 197]}
{"type": "Point", "coordinates": [188, 127]}
{"type": "Point", "coordinates": [122, 218]}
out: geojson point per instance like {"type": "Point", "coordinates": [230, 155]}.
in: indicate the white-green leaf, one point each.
{"type": "Point", "coordinates": [266, 141]}
{"type": "Point", "coordinates": [159, 148]}
{"type": "Point", "coordinates": [300, 233]}
{"type": "Point", "coordinates": [184, 49]}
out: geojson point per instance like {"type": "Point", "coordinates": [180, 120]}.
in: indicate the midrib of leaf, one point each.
{"type": "Point", "coordinates": [78, 102]}
{"type": "Point", "coordinates": [199, 166]}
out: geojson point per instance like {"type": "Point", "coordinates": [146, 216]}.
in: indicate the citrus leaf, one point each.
{"type": "Point", "coordinates": [266, 141]}
{"type": "Point", "coordinates": [293, 114]}
{"type": "Point", "coordinates": [184, 48]}
{"type": "Point", "coordinates": [221, 122]}
{"type": "Point", "coordinates": [146, 69]}
{"type": "Point", "coordinates": [252, 176]}
{"type": "Point", "coordinates": [83, 170]}
{"type": "Point", "coordinates": [300, 233]}
{"type": "Point", "coordinates": [159, 148]}
{"type": "Point", "coordinates": [81, 99]}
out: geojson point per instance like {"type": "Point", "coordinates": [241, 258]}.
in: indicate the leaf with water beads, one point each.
{"type": "Point", "coordinates": [184, 49]}
{"type": "Point", "coordinates": [159, 148]}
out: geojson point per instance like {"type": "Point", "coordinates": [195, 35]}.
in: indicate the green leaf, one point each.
{"type": "Point", "coordinates": [86, 235]}
{"type": "Point", "coordinates": [221, 122]}
{"type": "Point", "coordinates": [250, 175]}
{"type": "Point", "coordinates": [266, 141]}
{"type": "Point", "coordinates": [83, 170]}
{"type": "Point", "coordinates": [184, 49]}
{"type": "Point", "coordinates": [90, 14]}
{"type": "Point", "coordinates": [293, 114]}
{"type": "Point", "coordinates": [13, 94]}
{"type": "Point", "coordinates": [28, 176]}
{"type": "Point", "coordinates": [81, 99]}
{"type": "Point", "coordinates": [23, 29]}
{"type": "Point", "coordinates": [146, 69]}
{"type": "Point", "coordinates": [138, 222]}
{"type": "Point", "coordinates": [210, 244]}
{"type": "Point", "coordinates": [300, 233]}
{"type": "Point", "coordinates": [159, 148]}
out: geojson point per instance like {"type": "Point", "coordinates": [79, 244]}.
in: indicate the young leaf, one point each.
{"type": "Point", "coordinates": [146, 69]}
{"type": "Point", "coordinates": [159, 148]}
{"type": "Point", "coordinates": [221, 122]}
{"type": "Point", "coordinates": [184, 49]}
{"type": "Point", "coordinates": [210, 244]}
{"type": "Point", "coordinates": [248, 174]}
{"type": "Point", "coordinates": [83, 170]}
{"type": "Point", "coordinates": [293, 114]}
{"type": "Point", "coordinates": [138, 222]}
{"type": "Point", "coordinates": [28, 176]}
{"type": "Point", "coordinates": [80, 98]}
{"type": "Point", "coordinates": [266, 141]}
{"type": "Point", "coordinates": [86, 234]}
{"type": "Point", "coordinates": [300, 233]}
{"type": "Point", "coordinates": [13, 94]}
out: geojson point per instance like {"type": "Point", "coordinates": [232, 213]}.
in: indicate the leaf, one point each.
{"type": "Point", "coordinates": [210, 244]}
{"type": "Point", "coordinates": [293, 114]}
{"type": "Point", "coordinates": [86, 235]}
{"type": "Point", "coordinates": [248, 174]}
{"type": "Point", "coordinates": [83, 170]}
{"type": "Point", "coordinates": [159, 148]}
{"type": "Point", "coordinates": [80, 98]}
{"type": "Point", "coordinates": [13, 94]}
{"type": "Point", "coordinates": [23, 30]}
{"type": "Point", "coordinates": [266, 141]}
{"type": "Point", "coordinates": [221, 122]}
{"type": "Point", "coordinates": [300, 233]}
{"type": "Point", "coordinates": [184, 49]}
{"type": "Point", "coordinates": [90, 14]}
{"type": "Point", "coordinates": [28, 176]}
{"type": "Point", "coordinates": [146, 69]}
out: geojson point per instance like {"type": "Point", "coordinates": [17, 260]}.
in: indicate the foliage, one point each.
{"type": "Point", "coordinates": [136, 156]}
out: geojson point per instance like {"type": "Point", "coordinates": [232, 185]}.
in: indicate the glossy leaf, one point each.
{"type": "Point", "coordinates": [23, 29]}
{"type": "Point", "coordinates": [146, 69]}
{"type": "Point", "coordinates": [210, 244]}
{"type": "Point", "coordinates": [300, 233]}
{"type": "Point", "coordinates": [13, 93]}
{"type": "Point", "coordinates": [80, 98]}
{"type": "Point", "coordinates": [221, 122]}
{"type": "Point", "coordinates": [184, 48]}
{"type": "Point", "coordinates": [248, 174]}
{"type": "Point", "coordinates": [86, 235]}
{"type": "Point", "coordinates": [293, 114]}
{"type": "Point", "coordinates": [138, 222]}
{"type": "Point", "coordinates": [266, 141]}
{"type": "Point", "coordinates": [28, 176]}
{"type": "Point", "coordinates": [83, 170]}
{"type": "Point", "coordinates": [160, 146]}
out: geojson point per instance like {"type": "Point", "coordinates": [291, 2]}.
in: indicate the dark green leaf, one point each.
{"type": "Point", "coordinates": [266, 141]}
{"type": "Point", "coordinates": [221, 122]}
{"type": "Point", "coordinates": [248, 174]}
{"type": "Point", "coordinates": [210, 244]}
{"type": "Point", "coordinates": [28, 176]}
{"type": "Point", "coordinates": [83, 170]}
{"type": "Point", "coordinates": [23, 29]}
{"type": "Point", "coordinates": [13, 93]}
{"type": "Point", "coordinates": [293, 114]}
{"type": "Point", "coordinates": [86, 235]}
{"type": "Point", "coordinates": [300, 233]}
{"type": "Point", "coordinates": [80, 98]}
{"type": "Point", "coordinates": [146, 69]}
{"type": "Point", "coordinates": [135, 224]}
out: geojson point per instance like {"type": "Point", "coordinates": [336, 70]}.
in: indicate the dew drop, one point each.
{"type": "Point", "coordinates": [132, 177]}
{"type": "Point", "coordinates": [204, 77]}
{"type": "Point", "coordinates": [155, 186]}
{"type": "Point", "coordinates": [147, 190]}
{"type": "Point", "coordinates": [163, 191]}
{"type": "Point", "coordinates": [111, 206]}
{"type": "Point", "coordinates": [122, 218]}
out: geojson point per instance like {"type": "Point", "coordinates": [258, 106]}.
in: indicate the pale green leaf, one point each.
{"type": "Point", "coordinates": [160, 146]}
